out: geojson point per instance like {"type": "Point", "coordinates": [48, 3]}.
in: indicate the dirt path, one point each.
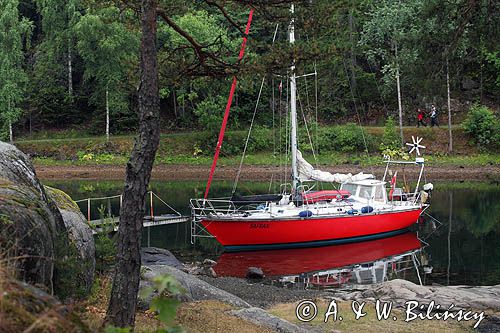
{"type": "Point", "coordinates": [264, 173]}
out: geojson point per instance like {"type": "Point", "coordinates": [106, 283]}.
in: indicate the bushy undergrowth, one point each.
{"type": "Point", "coordinates": [345, 138]}
{"type": "Point", "coordinates": [483, 127]}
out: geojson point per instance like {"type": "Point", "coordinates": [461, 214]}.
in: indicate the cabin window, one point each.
{"type": "Point", "coordinates": [379, 193]}
{"type": "Point", "coordinates": [365, 192]}
{"type": "Point", "coordinates": [350, 187]}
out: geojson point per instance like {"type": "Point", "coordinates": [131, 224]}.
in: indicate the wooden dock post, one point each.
{"type": "Point", "coordinates": [151, 205]}
{"type": "Point", "coordinates": [88, 210]}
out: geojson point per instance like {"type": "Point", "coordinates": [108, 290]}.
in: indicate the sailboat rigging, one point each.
{"type": "Point", "coordinates": [299, 217]}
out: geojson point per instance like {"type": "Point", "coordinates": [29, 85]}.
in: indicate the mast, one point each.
{"type": "Point", "coordinates": [293, 110]}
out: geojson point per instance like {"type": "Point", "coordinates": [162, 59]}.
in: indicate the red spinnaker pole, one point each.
{"type": "Point", "coordinates": [228, 107]}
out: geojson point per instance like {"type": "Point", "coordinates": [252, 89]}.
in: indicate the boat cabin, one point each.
{"type": "Point", "coordinates": [367, 190]}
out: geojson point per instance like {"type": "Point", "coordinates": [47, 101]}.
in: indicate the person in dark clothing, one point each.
{"type": "Point", "coordinates": [420, 118]}
{"type": "Point", "coordinates": [433, 116]}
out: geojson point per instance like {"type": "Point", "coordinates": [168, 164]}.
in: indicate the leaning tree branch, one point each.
{"type": "Point", "coordinates": [226, 15]}
{"type": "Point", "coordinates": [201, 51]}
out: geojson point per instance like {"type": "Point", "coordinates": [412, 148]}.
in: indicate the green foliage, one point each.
{"type": "Point", "coordinates": [105, 244]}
{"type": "Point", "coordinates": [110, 54]}
{"type": "Point", "coordinates": [260, 140]}
{"type": "Point", "coordinates": [346, 138]}
{"type": "Point", "coordinates": [105, 251]}
{"type": "Point", "coordinates": [210, 113]}
{"type": "Point", "coordinates": [69, 272]}
{"type": "Point", "coordinates": [395, 153]}
{"type": "Point", "coordinates": [165, 303]}
{"type": "Point", "coordinates": [483, 126]}
{"type": "Point", "coordinates": [112, 329]}
{"type": "Point", "coordinates": [14, 32]}
{"type": "Point", "coordinates": [390, 137]}
{"type": "Point", "coordinates": [390, 34]}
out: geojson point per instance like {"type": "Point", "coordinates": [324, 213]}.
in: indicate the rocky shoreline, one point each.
{"type": "Point", "coordinates": [254, 297]}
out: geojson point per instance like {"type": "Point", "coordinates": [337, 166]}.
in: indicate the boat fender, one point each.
{"type": "Point", "coordinates": [305, 213]}
{"type": "Point", "coordinates": [366, 209]}
{"type": "Point", "coordinates": [352, 211]}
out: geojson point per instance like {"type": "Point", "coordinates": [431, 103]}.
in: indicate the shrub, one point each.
{"type": "Point", "coordinates": [346, 138]}
{"type": "Point", "coordinates": [105, 252]}
{"type": "Point", "coordinates": [260, 140]}
{"type": "Point", "coordinates": [390, 138]}
{"type": "Point", "coordinates": [483, 126]}
{"type": "Point", "coordinates": [209, 113]}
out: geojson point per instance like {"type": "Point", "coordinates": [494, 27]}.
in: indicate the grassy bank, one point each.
{"type": "Point", "coordinates": [337, 145]}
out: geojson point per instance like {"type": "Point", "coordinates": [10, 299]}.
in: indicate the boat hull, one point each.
{"type": "Point", "coordinates": [241, 234]}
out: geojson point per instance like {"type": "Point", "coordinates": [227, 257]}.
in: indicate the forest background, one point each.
{"type": "Point", "coordinates": [70, 68]}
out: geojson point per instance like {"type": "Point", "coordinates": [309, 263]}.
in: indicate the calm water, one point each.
{"type": "Point", "coordinates": [460, 238]}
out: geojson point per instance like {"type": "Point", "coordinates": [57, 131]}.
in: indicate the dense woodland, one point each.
{"type": "Point", "coordinates": [66, 64]}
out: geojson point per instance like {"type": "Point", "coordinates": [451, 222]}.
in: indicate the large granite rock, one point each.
{"type": "Point", "coordinates": [79, 234]}
{"type": "Point", "coordinates": [196, 289]}
{"type": "Point", "coordinates": [400, 291]}
{"type": "Point", "coordinates": [33, 231]}
{"type": "Point", "coordinates": [28, 222]}
{"type": "Point", "coordinates": [261, 317]}
{"type": "Point", "coordinates": [157, 256]}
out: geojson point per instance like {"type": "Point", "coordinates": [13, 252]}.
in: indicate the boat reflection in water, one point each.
{"type": "Point", "coordinates": [330, 266]}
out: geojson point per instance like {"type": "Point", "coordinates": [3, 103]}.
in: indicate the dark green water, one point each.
{"type": "Point", "coordinates": [463, 249]}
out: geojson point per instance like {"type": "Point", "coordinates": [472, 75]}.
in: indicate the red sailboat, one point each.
{"type": "Point", "coordinates": [298, 217]}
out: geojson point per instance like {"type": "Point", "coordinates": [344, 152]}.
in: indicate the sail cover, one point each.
{"type": "Point", "coordinates": [308, 173]}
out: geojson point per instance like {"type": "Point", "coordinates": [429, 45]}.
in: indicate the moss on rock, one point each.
{"type": "Point", "coordinates": [62, 200]}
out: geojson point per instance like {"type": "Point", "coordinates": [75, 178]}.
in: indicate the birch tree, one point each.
{"type": "Point", "coordinates": [13, 35]}
{"type": "Point", "coordinates": [388, 37]}
{"type": "Point", "coordinates": [58, 21]}
{"type": "Point", "coordinates": [109, 50]}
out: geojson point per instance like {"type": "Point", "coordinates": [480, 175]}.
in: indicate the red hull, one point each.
{"type": "Point", "coordinates": [297, 261]}
{"type": "Point", "coordinates": [244, 232]}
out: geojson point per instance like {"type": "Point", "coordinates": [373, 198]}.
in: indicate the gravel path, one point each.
{"type": "Point", "coordinates": [264, 173]}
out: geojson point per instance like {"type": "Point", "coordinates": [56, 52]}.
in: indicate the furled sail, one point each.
{"type": "Point", "coordinates": [308, 173]}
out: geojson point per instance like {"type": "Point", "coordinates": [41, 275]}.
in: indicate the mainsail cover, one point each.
{"type": "Point", "coordinates": [308, 173]}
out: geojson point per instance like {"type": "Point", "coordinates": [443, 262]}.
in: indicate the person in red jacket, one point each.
{"type": "Point", "coordinates": [420, 118]}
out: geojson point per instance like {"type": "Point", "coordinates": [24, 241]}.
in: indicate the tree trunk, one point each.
{"type": "Point", "coordinates": [70, 69]}
{"type": "Point", "coordinates": [122, 305]}
{"type": "Point", "coordinates": [175, 103]}
{"type": "Point", "coordinates": [11, 136]}
{"type": "Point", "coordinates": [107, 114]}
{"type": "Point", "coordinates": [450, 146]}
{"type": "Point", "coordinates": [400, 107]}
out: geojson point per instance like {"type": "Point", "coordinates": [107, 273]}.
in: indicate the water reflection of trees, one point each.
{"type": "Point", "coordinates": [472, 253]}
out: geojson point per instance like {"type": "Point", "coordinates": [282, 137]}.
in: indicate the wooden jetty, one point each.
{"type": "Point", "coordinates": [111, 222]}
